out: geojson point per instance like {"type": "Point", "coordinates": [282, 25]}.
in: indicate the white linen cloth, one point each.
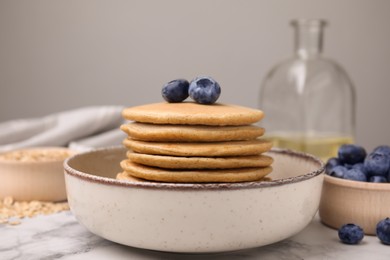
{"type": "Point", "coordinates": [80, 129]}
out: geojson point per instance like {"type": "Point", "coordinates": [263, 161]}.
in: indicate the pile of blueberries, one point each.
{"type": "Point", "coordinates": [353, 163]}
{"type": "Point", "coordinates": [203, 90]}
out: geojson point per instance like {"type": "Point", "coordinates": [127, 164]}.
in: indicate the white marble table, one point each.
{"type": "Point", "coordinates": [60, 236]}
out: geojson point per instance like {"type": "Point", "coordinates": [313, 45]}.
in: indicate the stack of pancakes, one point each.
{"type": "Point", "coordinates": [190, 142]}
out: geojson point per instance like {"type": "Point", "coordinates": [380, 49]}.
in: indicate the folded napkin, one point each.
{"type": "Point", "coordinates": [80, 129]}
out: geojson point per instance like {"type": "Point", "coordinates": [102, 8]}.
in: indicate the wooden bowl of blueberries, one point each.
{"type": "Point", "coordinates": [356, 190]}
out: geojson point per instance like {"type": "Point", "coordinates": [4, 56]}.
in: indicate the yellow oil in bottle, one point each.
{"type": "Point", "coordinates": [322, 146]}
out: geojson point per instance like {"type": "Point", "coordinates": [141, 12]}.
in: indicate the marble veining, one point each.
{"type": "Point", "coordinates": [60, 236]}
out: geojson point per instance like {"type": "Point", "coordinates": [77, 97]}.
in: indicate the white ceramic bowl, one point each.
{"type": "Point", "coordinates": [193, 218]}
{"type": "Point", "coordinates": [34, 174]}
{"type": "Point", "coordinates": [346, 201]}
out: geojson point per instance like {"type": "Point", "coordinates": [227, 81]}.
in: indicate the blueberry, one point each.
{"type": "Point", "coordinates": [377, 179]}
{"type": "Point", "coordinates": [332, 162]}
{"type": "Point", "coordinates": [351, 234]}
{"type": "Point", "coordinates": [355, 175]}
{"type": "Point", "coordinates": [377, 164]}
{"type": "Point", "coordinates": [204, 90]}
{"type": "Point", "coordinates": [360, 167]}
{"type": "Point", "coordinates": [383, 231]}
{"type": "Point", "coordinates": [338, 171]}
{"type": "Point", "coordinates": [351, 154]}
{"type": "Point", "coordinates": [382, 149]}
{"type": "Point", "coordinates": [175, 91]}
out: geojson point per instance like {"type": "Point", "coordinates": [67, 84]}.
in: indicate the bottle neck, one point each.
{"type": "Point", "coordinates": [308, 37]}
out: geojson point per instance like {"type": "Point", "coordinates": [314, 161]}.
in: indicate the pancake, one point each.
{"type": "Point", "coordinates": [194, 133]}
{"type": "Point", "coordinates": [128, 177]}
{"type": "Point", "coordinates": [194, 176]}
{"type": "Point", "coordinates": [212, 149]}
{"type": "Point", "coordinates": [175, 162]}
{"type": "Point", "coordinates": [190, 113]}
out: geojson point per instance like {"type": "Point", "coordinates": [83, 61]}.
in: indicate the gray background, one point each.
{"type": "Point", "coordinates": [59, 55]}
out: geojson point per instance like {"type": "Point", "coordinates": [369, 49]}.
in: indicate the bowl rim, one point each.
{"type": "Point", "coordinates": [38, 162]}
{"type": "Point", "coordinates": [193, 186]}
{"type": "Point", "coordinates": [356, 184]}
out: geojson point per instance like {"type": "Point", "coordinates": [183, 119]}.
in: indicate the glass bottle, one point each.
{"type": "Point", "coordinates": [308, 100]}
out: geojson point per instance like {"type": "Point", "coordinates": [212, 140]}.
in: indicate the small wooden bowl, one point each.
{"type": "Point", "coordinates": [26, 177]}
{"type": "Point", "coordinates": [362, 203]}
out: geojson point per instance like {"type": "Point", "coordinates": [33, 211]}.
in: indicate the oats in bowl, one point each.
{"type": "Point", "coordinates": [36, 155]}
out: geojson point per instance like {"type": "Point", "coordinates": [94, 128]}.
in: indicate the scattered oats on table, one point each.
{"type": "Point", "coordinates": [11, 211]}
